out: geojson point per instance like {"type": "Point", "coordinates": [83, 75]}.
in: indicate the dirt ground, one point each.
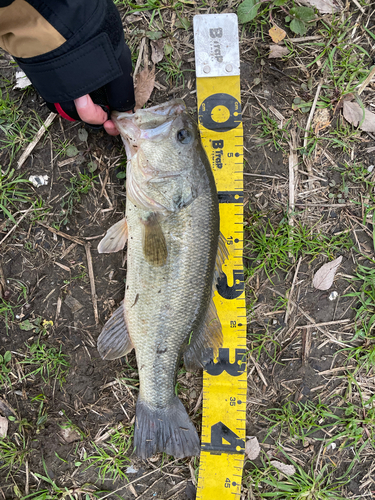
{"type": "Point", "coordinates": [45, 261]}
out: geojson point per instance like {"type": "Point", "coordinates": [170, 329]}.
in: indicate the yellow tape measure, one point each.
{"type": "Point", "coordinates": [224, 379]}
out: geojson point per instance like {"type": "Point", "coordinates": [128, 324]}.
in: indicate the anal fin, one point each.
{"type": "Point", "coordinates": [114, 340]}
{"type": "Point", "coordinates": [115, 238]}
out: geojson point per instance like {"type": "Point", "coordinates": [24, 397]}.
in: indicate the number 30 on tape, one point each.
{"type": "Point", "coordinates": [224, 380]}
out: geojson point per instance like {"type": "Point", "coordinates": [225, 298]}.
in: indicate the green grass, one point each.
{"type": "Point", "coordinates": [79, 185]}
{"type": "Point", "coordinates": [12, 455]}
{"type": "Point", "coordinates": [297, 421]}
{"type": "Point", "coordinates": [17, 129]}
{"type": "Point", "coordinates": [46, 362]}
{"type": "Point", "coordinates": [364, 334]}
{"type": "Point", "coordinates": [270, 245]}
{"type": "Point", "coordinates": [111, 458]}
{"type": "Point", "coordinates": [17, 299]}
{"type": "Point", "coordinates": [269, 482]}
{"type": "Point", "coordinates": [274, 135]}
{"type": "Point", "coordinates": [12, 191]}
{"type": "Point", "coordinates": [5, 369]}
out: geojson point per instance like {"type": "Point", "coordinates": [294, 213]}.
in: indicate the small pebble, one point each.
{"type": "Point", "coordinates": [370, 168]}
{"type": "Point", "coordinates": [333, 295]}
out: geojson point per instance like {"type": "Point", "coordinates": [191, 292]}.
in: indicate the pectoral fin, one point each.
{"type": "Point", "coordinates": [154, 244]}
{"type": "Point", "coordinates": [114, 340]}
{"type": "Point", "coordinates": [210, 336]}
{"type": "Point", "coordinates": [115, 239]}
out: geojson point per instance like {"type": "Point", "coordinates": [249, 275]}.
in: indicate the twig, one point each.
{"type": "Point", "coordinates": [15, 225]}
{"type": "Point", "coordinates": [306, 345]}
{"type": "Point", "coordinates": [339, 321]}
{"type": "Point", "coordinates": [63, 235]}
{"type": "Point", "coordinates": [293, 169]}
{"type": "Point", "coordinates": [334, 370]}
{"type": "Point", "coordinates": [292, 290]}
{"type": "Point", "coordinates": [359, 6]}
{"type": "Point", "coordinates": [141, 47]}
{"type": "Point", "coordinates": [36, 139]}
{"type": "Point", "coordinates": [367, 81]}
{"type": "Point", "coordinates": [257, 367]}
{"type": "Point", "coordinates": [308, 124]}
{"type": "Point", "coordinates": [92, 282]}
{"type": "Point", "coordinates": [266, 176]}
{"type": "Point", "coordinates": [3, 283]}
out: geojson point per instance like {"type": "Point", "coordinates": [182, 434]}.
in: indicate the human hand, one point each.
{"type": "Point", "coordinates": [94, 115]}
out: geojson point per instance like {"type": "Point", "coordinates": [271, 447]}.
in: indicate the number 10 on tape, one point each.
{"type": "Point", "coordinates": [224, 380]}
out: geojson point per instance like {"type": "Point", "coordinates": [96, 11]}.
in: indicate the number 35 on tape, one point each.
{"type": "Point", "coordinates": [224, 380]}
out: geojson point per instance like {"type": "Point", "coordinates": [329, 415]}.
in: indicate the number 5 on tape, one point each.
{"type": "Point", "coordinates": [224, 380]}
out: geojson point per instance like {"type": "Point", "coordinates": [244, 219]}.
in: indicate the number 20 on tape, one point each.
{"type": "Point", "coordinates": [224, 380]}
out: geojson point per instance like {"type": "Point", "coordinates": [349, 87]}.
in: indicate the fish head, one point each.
{"type": "Point", "coordinates": [163, 149]}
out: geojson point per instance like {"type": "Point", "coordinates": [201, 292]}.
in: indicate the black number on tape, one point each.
{"type": "Point", "coordinates": [235, 369]}
{"type": "Point", "coordinates": [224, 439]}
{"type": "Point", "coordinates": [234, 291]}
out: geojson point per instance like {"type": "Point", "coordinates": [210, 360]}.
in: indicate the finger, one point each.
{"type": "Point", "coordinates": [110, 128]}
{"type": "Point", "coordinates": [90, 112]}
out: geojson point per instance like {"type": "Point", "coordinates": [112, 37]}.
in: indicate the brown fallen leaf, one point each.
{"type": "Point", "coordinates": [277, 34]}
{"type": "Point", "coordinates": [252, 448]}
{"type": "Point", "coordinates": [277, 51]}
{"type": "Point", "coordinates": [286, 469]}
{"type": "Point", "coordinates": [144, 85]}
{"type": "Point", "coordinates": [157, 50]}
{"type": "Point", "coordinates": [323, 6]}
{"type": "Point", "coordinates": [353, 113]}
{"type": "Point", "coordinates": [324, 276]}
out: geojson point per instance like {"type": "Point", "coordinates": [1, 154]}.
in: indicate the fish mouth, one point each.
{"type": "Point", "coordinates": [151, 124]}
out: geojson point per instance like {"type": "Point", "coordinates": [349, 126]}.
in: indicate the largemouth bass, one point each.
{"type": "Point", "coordinates": [174, 254]}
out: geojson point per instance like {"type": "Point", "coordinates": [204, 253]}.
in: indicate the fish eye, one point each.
{"type": "Point", "coordinates": [184, 136]}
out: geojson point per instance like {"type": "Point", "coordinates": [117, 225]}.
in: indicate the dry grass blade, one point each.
{"type": "Point", "coordinates": [36, 139]}
{"type": "Point", "coordinates": [92, 282]}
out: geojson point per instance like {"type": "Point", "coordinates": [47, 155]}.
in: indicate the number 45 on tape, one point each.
{"type": "Point", "coordinates": [224, 381]}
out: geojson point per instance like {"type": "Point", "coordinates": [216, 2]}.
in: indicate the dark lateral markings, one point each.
{"type": "Point", "coordinates": [230, 196]}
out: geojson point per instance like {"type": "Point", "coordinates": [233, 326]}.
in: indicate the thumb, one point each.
{"type": "Point", "coordinates": [90, 112]}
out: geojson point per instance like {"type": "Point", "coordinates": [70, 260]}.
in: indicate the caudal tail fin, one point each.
{"type": "Point", "coordinates": [166, 430]}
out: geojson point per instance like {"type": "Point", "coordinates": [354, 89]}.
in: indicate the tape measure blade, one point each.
{"type": "Point", "coordinates": [224, 381]}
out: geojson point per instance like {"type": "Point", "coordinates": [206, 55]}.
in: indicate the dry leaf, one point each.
{"type": "Point", "coordinates": [277, 34]}
{"type": "Point", "coordinates": [321, 119]}
{"type": "Point", "coordinates": [21, 80]}
{"type": "Point", "coordinates": [323, 6]}
{"type": "Point", "coordinates": [3, 427]}
{"type": "Point", "coordinates": [252, 448]}
{"type": "Point", "coordinates": [157, 50]}
{"type": "Point", "coordinates": [324, 276]}
{"type": "Point", "coordinates": [70, 435]}
{"type": "Point", "coordinates": [353, 113]}
{"type": "Point", "coordinates": [277, 51]}
{"type": "Point", "coordinates": [289, 470]}
{"type": "Point", "coordinates": [144, 85]}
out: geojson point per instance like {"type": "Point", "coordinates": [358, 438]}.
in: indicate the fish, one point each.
{"type": "Point", "coordinates": [175, 253]}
